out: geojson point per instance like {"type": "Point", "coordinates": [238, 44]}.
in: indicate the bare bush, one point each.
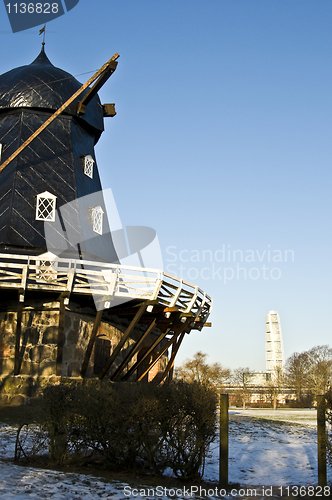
{"type": "Point", "coordinates": [135, 426]}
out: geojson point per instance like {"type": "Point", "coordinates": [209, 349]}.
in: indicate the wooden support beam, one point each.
{"type": "Point", "coordinates": [91, 342]}
{"type": "Point", "coordinates": [159, 339]}
{"type": "Point", "coordinates": [132, 310]}
{"type": "Point", "coordinates": [176, 349]}
{"type": "Point", "coordinates": [198, 325]}
{"type": "Point", "coordinates": [100, 72]}
{"type": "Point", "coordinates": [69, 286]}
{"type": "Point", "coordinates": [134, 350]}
{"type": "Point", "coordinates": [164, 349]}
{"type": "Point", "coordinates": [223, 440]}
{"type": "Point", "coordinates": [171, 309]}
{"type": "Point", "coordinates": [124, 338]}
{"type": "Point", "coordinates": [109, 110]}
{"type": "Point", "coordinates": [137, 346]}
{"type": "Point", "coordinates": [97, 86]}
{"type": "Point", "coordinates": [23, 282]}
{"type": "Point", "coordinates": [321, 440]}
{"type": "Point", "coordinates": [170, 366]}
{"type": "Point", "coordinates": [61, 337]}
{"type": "Point", "coordinates": [17, 364]}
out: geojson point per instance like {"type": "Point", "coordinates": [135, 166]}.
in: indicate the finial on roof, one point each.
{"type": "Point", "coordinates": [43, 30]}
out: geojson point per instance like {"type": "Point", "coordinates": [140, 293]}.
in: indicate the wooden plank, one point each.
{"type": "Point", "coordinates": [61, 337]}
{"type": "Point", "coordinates": [109, 110]}
{"type": "Point", "coordinates": [171, 309]}
{"type": "Point", "coordinates": [59, 111]}
{"type": "Point", "coordinates": [91, 343]}
{"type": "Point", "coordinates": [124, 338]}
{"type": "Point", "coordinates": [17, 364]}
{"type": "Point", "coordinates": [159, 339]}
{"type": "Point", "coordinates": [140, 361]}
{"type": "Point", "coordinates": [164, 349]}
{"type": "Point", "coordinates": [321, 440]}
{"type": "Point", "coordinates": [134, 350]}
{"type": "Point", "coordinates": [223, 440]}
{"type": "Point", "coordinates": [170, 366]}
{"type": "Point", "coordinates": [96, 87]}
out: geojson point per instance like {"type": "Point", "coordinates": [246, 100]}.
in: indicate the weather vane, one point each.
{"type": "Point", "coordinates": [43, 31]}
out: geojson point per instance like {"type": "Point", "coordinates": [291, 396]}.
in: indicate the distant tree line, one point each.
{"type": "Point", "coordinates": [306, 375]}
{"type": "Point", "coordinates": [309, 373]}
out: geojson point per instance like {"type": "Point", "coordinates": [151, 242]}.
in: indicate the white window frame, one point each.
{"type": "Point", "coordinates": [50, 265]}
{"type": "Point", "coordinates": [45, 207]}
{"type": "Point", "coordinates": [88, 163]}
{"type": "Point", "coordinates": [97, 220]}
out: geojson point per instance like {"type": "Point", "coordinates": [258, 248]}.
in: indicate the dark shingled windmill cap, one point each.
{"type": "Point", "coordinates": [40, 85]}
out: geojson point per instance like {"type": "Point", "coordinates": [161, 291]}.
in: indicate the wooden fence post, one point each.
{"type": "Point", "coordinates": [223, 440]}
{"type": "Point", "coordinates": [321, 441]}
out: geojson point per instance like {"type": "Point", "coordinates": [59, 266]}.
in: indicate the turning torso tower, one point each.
{"type": "Point", "coordinates": [274, 343]}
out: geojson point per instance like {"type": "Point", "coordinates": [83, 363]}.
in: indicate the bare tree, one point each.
{"type": "Point", "coordinates": [274, 385]}
{"type": "Point", "coordinates": [320, 368]}
{"type": "Point", "coordinates": [198, 370]}
{"type": "Point", "coordinates": [309, 372]}
{"type": "Point", "coordinates": [297, 373]}
{"type": "Point", "coordinates": [243, 378]}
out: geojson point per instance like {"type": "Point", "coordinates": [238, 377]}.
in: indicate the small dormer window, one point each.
{"type": "Point", "coordinates": [88, 162]}
{"type": "Point", "coordinates": [98, 220]}
{"type": "Point", "coordinates": [45, 207]}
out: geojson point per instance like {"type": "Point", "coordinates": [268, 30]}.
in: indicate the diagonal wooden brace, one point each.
{"type": "Point", "coordinates": [97, 86]}
{"type": "Point", "coordinates": [134, 350]}
{"type": "Point", "coordinates": [125, 336]}
{"type": "Point", "coordinates": [170, 365]}
{"type": "Point", "coordinates": [164, 349]}
{"type": "Point", "coordinates": [159, 339]}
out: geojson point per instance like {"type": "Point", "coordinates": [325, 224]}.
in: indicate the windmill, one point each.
{"type": "Point", "coordinates": [69, 307]}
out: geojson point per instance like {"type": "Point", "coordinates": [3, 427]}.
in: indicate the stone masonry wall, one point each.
{"type": "Point", "coordinates": [38, 352]}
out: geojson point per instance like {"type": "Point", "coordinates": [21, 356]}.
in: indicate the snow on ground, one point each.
{"type": "Point", "coordinates": [266, 452]}
{"type": "Point", "coordinates": [271, 448]}
{"type": "Point", "coordinates": [306, 417]}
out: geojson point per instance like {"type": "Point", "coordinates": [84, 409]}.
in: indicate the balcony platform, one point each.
{"type": "Point", "coordinates": [104, 282]}
{"type": "Point", "coordinates": [155, 310]}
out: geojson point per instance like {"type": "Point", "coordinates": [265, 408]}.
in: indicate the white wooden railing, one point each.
{"type": "Point", "coordinates": [103, 281]}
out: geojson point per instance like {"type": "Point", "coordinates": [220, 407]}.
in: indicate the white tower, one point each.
{"type": "Point", "coordinates": [273, 342]}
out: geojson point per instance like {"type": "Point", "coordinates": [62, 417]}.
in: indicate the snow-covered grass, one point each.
{"type": "Point", "coordinates": [270, 448]}
{"type": "Point", "coordinates": [305, 417]}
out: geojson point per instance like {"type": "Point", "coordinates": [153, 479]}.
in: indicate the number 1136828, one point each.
{"type": "Point", "coordinates": [33, 8]}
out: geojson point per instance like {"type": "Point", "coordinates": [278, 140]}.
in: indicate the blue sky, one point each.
{"type": "Point", "coordinates": [222, 141]}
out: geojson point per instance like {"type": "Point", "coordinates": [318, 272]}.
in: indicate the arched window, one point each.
{"type": "Point", "coordinates": [45, 207]}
